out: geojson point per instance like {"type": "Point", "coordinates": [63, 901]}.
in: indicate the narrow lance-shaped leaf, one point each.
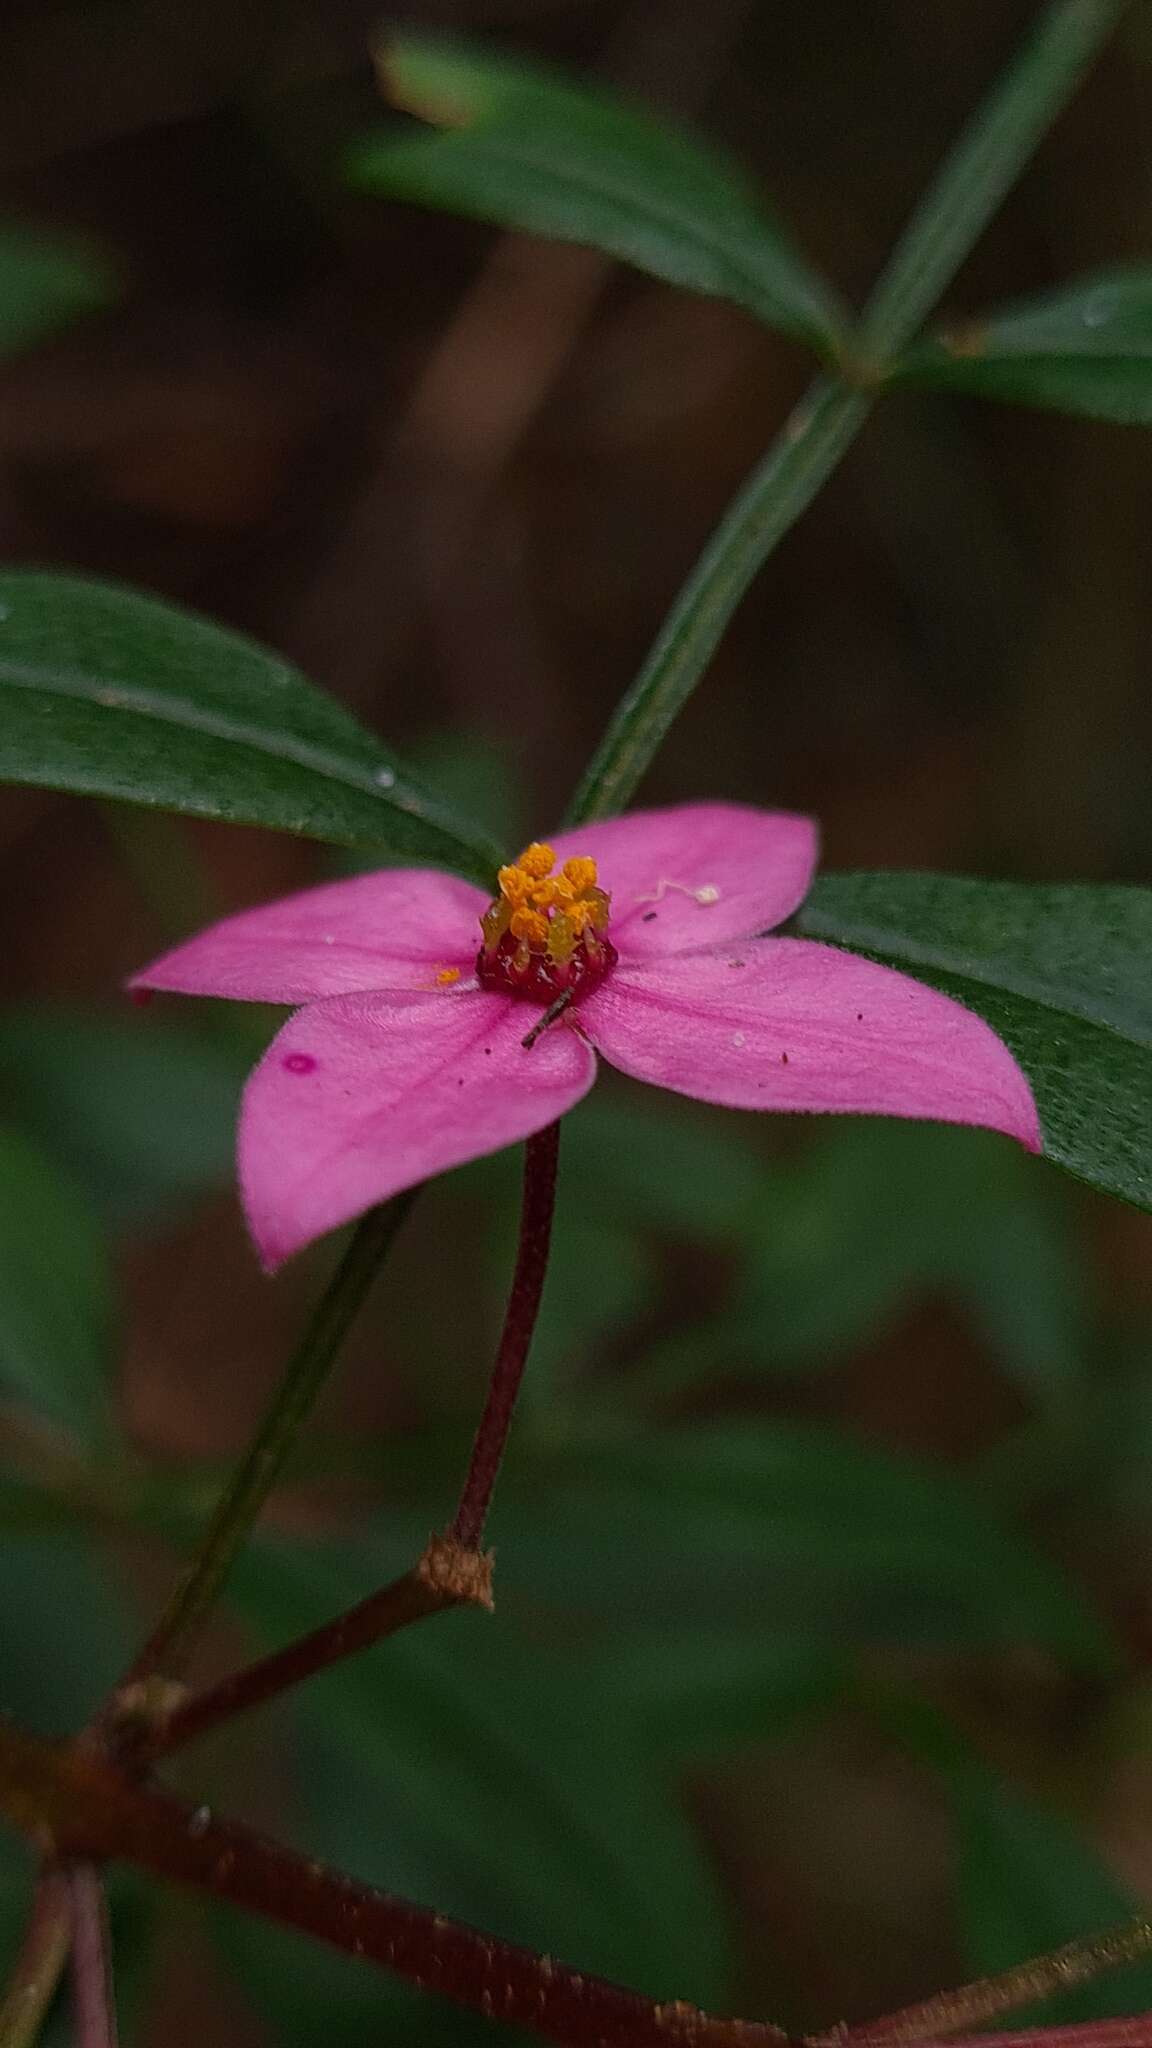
{"type": "Point", "coordinates": [112, 694]}
{"type": "Point", "coordinates": [525, 149]}
{"type": "Point", "coordinates": [1059, 970]}
{"type": "Point", "coordinates": [1084, 348]}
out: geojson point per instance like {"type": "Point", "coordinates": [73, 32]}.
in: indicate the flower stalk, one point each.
{"type": "Point", "coordinates": [541, 1154]}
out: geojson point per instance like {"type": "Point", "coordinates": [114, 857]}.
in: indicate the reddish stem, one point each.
{"type": "Point", "coordinates": [92, 1986]}
{"type": "Point", "coordinates": [446, 1576]}
{"type": "Point", "coordinates": [540, 1157]}
{"type": "Point", "coordinates": [95, 1813]}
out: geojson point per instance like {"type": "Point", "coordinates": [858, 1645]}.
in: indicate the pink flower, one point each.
{"type": "Point", "coordinates": [409, 1054]}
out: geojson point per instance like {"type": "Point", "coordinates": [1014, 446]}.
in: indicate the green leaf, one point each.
{"type": "Point", "coordinates": [55, 1297]}
{"type": "Point", "coordinates": [697, 1693]}
{"type": "Point", "coordinates": [524, 148]}
{"type": "Point", "coordinates": [64, 1633]}
{"type": "Point", "coordinates": [86, 1085]}
{"type": "Point", "coordinates": [872, 1216]}
{"type": "Point", "coordinates": [722, 1527]}
{"type": "Point", "coordinates": [982, 167]}
{"type": "Point", "coordinates": [46, 282]}
{"type": "Point", "coordinates": [1085, 348]}
{"type": "Point", "coordinates": [1029, 1879]}
{"type": "Point", "coordinates": [468, 1767]}
{"type": "Point", "coordinates": [1060, 971]}
{"type": "Point", "coordinates": [880, 1212]}
{"type": "Point", "coordinates": [112, 694]}
{"type": "Point", "coordinates": [598, 1282]}
{"type": "Point", "coordinates": [661, 1164]}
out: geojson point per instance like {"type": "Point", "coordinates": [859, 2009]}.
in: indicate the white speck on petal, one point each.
{"type": "Point", "coordinates": [329, 939]}
{"type": "Point", "coordinates": [737, 1038]}
{"type": "Point", "coordinates": [709, 893]}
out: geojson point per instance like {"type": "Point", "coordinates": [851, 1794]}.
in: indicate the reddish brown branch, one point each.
{"type": "Point", "coordinates": [94, 1814]}
{"type": "Point", "coordinates": [446, 1576]}
{"type": "Point", "coordinates": [80, 1803]}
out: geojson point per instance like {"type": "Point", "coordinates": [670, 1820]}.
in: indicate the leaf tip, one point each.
{"type": "Point", "coordinates": [409, 88]}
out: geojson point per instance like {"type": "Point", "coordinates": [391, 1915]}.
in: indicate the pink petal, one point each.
{"type": "Point", "coordinates": [393, 930]}
{"type": "Point", "coordinates": [753, 868]}
{"type": "Point", "coordinates": [788, 1024]}
{"type": "Point", "coordinates": [362, 1095]}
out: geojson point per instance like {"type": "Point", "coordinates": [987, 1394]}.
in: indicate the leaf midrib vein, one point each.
{"type": "Point", "coordinates": [713, 243]}
{"type": "Point", "coordinates": [170, 709]}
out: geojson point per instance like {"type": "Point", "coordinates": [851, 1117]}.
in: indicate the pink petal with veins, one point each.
{"type": "Point", "coordinates": [391, 930]}
{"type": "Point", "coordinates": [697, 874]}
{"type": "Point", "coordinates": [787, 1024]}
{"type": "Point", "coordinates": [362, 1095]}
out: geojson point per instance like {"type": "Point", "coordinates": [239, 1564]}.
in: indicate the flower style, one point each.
{"type": "Point", "coordinates": [414, 1052]}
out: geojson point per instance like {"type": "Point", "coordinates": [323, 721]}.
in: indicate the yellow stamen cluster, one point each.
{"type": "Point", "coordinates": [546, 913]}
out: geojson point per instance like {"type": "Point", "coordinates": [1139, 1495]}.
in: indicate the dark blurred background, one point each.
{"type": "Point", "coordinates": [458, 477]}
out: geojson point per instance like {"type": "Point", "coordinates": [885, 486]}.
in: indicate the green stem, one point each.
{"type": "Point", "coordinates": [985, 162]}
{"type": "Point", "coordinates": [251, 1484]}
{"type": "Point", "coordinates": [805, 453]}
{"type": "Point", "coordinates": [39, 1964]}
{"type": "Point", "coordinates": [982, 167]}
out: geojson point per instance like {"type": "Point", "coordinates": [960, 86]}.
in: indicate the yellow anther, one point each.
{"type": "Point", "coordinates": [578, 917]}
{"type": "Point", "coordinates": [515, 884]}
{"type": "Point", "coordinates": [447, 975]}
{"type": "Point", "coordinates": [543, 925]}
{"type": "Point", "coordinates": [552, 893]}
{"type": "Point", "coordinates": [529, 925]}
{"type": "Point", "coordinates": [537, 860]}
{"type": "Point", "coordinates": [581, 872]}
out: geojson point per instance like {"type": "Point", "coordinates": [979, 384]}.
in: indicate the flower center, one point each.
{"type": "Point", "coordinates": [545, 934]}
